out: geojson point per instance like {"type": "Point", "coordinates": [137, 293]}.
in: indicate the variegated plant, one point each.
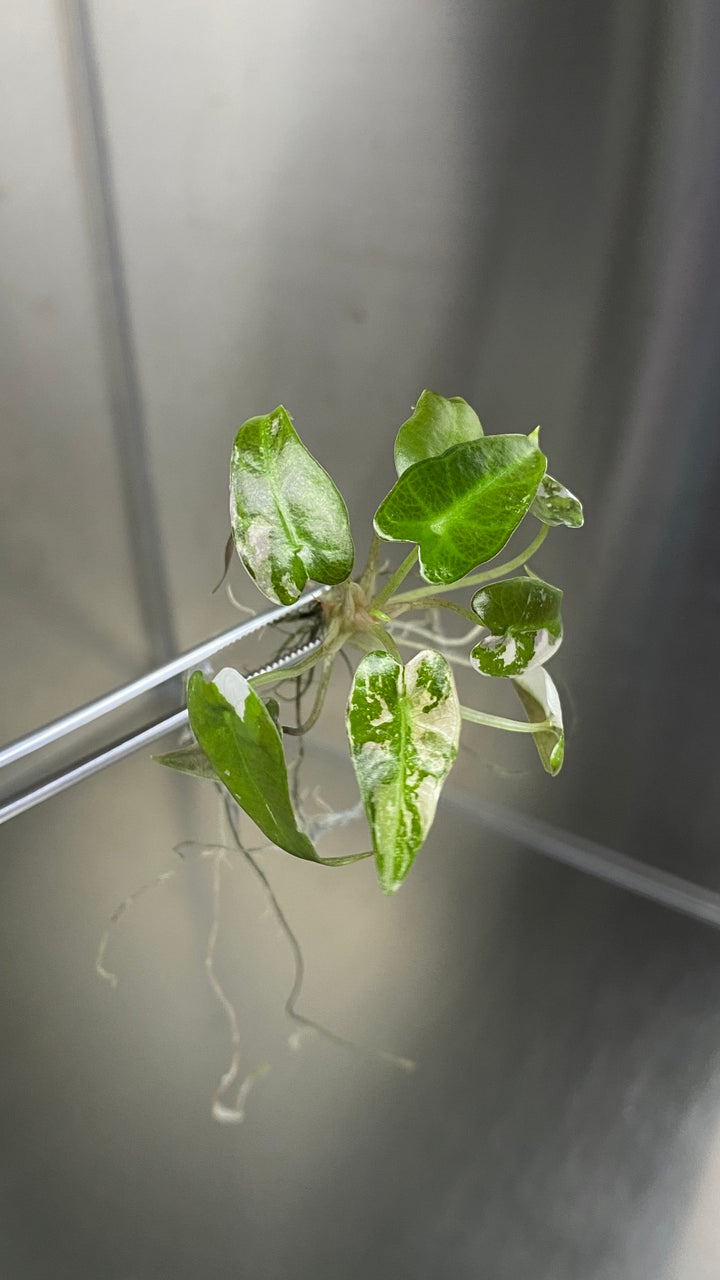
{"type": "Point", "coordinates": [458, 498]}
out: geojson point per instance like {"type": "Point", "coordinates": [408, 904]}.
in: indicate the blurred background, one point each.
{"type": "Point", "coordinates": [210, 208]}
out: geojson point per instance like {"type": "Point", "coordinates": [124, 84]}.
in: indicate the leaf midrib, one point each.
{"type": "Point", "coordinates": [400, 781]}
{"type": "Point", "coordinates": [457, 507]}
{"type": "Point", "coordinates": [269, 467]}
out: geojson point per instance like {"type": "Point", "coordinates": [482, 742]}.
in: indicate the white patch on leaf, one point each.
{"type": "Point", "coordinates": [257, 552]}
{"type": "Point", "coordinates": [234, 689]}
{"type": "Point", "coordinates": [385, 716]}
{"type": "Point", "coordinates": [538, 684]}
{"type": "Point", "coordinates": [256, 540]}
{"type": "Point", "coordinates": [545, 646]}
{"type": "Point", "coordinates": [510, 651]}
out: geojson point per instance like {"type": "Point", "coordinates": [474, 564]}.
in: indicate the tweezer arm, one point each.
{"type": "Point", "coordinates": [118, 697]}
{"type": "Point", "coordinates": [20, 801]}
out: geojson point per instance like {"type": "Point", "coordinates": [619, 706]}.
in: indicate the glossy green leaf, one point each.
{"type": "Point", "coordinates": [237, 733]}
{"type": "Point", "coordinates": [288, 519]}
{"type": "Point", "coordinates": [403, 725]}
{"type": "Point", "coordinates": [523, 625]}
{"type": "Point", "coordinates": [190, 759]}
{"type": "Point", "coordinates": [462, 507]}
{"type": "Point", "coordinates": [541, 701]}
{"type": "Point", "coordinates": [436, 424]}
{"type": "Point", "coordinates": [554, 504]}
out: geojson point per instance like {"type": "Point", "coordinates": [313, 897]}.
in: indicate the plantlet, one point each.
{"type": "Point", "coordinates": [458, 498]}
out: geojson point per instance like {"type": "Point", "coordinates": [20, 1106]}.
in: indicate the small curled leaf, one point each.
{"type": "Point", "coordinates": [289, 521]}
{"type": "Point", "coordinates": [554, 504]}
{"type": "Point", "coordinates": [436, 424]}
{"type": "Point", "coordinates": [190, 759]}
{"type": "Point", "coordinates": [541, 701]}
{"type": "Point", "coordinates": [523, 625]}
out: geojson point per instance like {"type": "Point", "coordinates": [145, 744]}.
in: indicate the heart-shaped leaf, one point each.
{"type": "Point", "coordinates": [242, 743]}
{"type": "Point", "coordinates": [523, 622]}
{"type": "Point", "coordinates": [462, 507]}
{"type": "Point", "coordinates": [403, 725]}
{"type": "Point", "coordinates": [435, 426]}
{"type": "Point", "coordinates": [288, 519]}
{"type": "Point", "coordinates": [554, 504]}
{"type": "Point", "coordinates": [541, 701]}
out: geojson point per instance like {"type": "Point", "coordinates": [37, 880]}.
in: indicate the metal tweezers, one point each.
{"type": "Point", "coordinates": [306, 607]}
{"type": "Point", "coordinates": [584, 855]}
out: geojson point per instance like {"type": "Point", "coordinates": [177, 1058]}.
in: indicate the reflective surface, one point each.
{"type": "Point", "coordinates": [334, 207]}
{"type": "Point", "coordinates": [562, 1121]}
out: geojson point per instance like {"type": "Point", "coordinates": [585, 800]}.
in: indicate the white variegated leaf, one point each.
{"type": "Point", "coordinates": [522, 626]}
{"type": "Point", "coordinates": [403, 726]}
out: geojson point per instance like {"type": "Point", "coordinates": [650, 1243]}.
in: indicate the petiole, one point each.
{"type": "Point", "coordinates": [395, 579]}
{"type": "Point", "coordinates": [297, 731]}
{"type": "Point", "coordinates": [477, 579]}
{"type": "Point", "coordinates": [500, 722]}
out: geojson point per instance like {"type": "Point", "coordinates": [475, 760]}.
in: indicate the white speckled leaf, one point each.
{"type": "Point", "coordinates": [541, 701]}
{"type": "Point", "coordinates": [437, 423]}
{"type": "Point", "coordinates": [523, 626]}
{"type": "Point", "coordinates": [403, 725]}
{"type": "Point", "coordinates": [289, 521]}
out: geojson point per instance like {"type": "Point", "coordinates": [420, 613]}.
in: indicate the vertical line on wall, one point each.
{"type": "Point", "coordinates": [121, 371]}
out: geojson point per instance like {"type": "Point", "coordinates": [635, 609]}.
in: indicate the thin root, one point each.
{"type": "Point", "coordinates": [220, 1111]}
{"type": "Point", "coordinates": [404, 1064]}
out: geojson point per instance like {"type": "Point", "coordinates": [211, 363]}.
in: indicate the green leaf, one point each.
{"type": "Point", "coordinates": [435, 426]}
{"type": "Point", "coordinates": [403, 725]}
{"type": "Point", "coordinates": [237, 733]}
{"type": "Point", "coordinates": [541, 701]}
{"type": "Point", "coordinates": [288, 519]}
{"type": "Point", "coordinates": [554, 504]}
{"type": "Point", "coordinates": [190, 759]}
{"type": "Point", "coordinates": [463, 506]}
{"type": "Point", "coordinates": [523, 622]}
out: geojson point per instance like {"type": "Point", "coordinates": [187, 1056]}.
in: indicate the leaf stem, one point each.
{"type": "Point", "coordinates": [405, 1064]}
{"type": "Point", "coordinates": [500, 722]}
{"type": "Point", "coordinates": [389, 644]}
{"type": "Point", "coordinates": [477, 579]}
{"type": "Point", "coordinates": [300, 753]}
{"type": "Point", "coordinates": [434, 602]}
{"type": "Point", "coordinates": [367, 577]}
{"type": "Point", "coordinates": [395, 579]}
{"type": "Point", "coordinates": [297, 731]}
{"type": "Point", "coordinates": [287, 673]}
